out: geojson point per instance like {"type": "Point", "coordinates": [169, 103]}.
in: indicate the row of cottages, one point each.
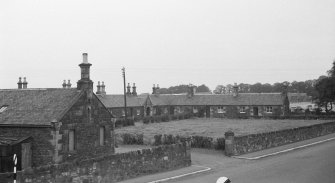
{"type": "Point", "coordinates": [236, 105]}
{"type": "Point", "coordinates": [115, 102]}
{"type": "Point", "coordinates": [53, 125]}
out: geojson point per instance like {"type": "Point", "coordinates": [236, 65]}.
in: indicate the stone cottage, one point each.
{"type": "Point", "coordinates": [115, 102]}
{"type": "Point", "coordinates": [235, 105]}
{"type": "Point", "coordinates": [52, 125]}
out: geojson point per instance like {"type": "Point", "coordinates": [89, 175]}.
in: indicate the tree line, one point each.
{"type": "Point", "coordinates": [183, 89]}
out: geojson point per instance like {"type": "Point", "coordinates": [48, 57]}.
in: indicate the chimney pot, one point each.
{"type": "Point", "coordinates": [85, 60]}
{"type": "Point", "coordinates": [235, 90]}
{"type": "Point", "coordinates": [68, 84]}
{"type": "Point", "coordinates": [19, 84]}
{"type": "Point", "coordinates": [134, 90]}
{"type": "Point", "coordinates": [64, 83]}
{"type": "Point", "coordinates": [128, 89]}
{"type": "Point", "coordinates": [25, 83]}
{"type": "Point", "coordinates": [103, 88]}
{"type": "Point", "coordinates": [98, 88]}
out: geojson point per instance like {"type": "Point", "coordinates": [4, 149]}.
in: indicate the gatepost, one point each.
{"type": "Point", "coordinates": [229, 143]}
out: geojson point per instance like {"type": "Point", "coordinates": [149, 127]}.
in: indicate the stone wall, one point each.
{"type": "Point", "coordinates": [41, 147]}
{"type": "Point", "coordinates": [164, 139]}
{"type": "Point", "coordinates": [256, 142]}
{"type": "Point", "coordinates": [113, 168]}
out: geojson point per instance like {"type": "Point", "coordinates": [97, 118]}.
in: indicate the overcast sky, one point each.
{"type": "Point", "coordinates": [168, 42]}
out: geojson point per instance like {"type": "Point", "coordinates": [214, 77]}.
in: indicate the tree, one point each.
{"type": "Point", "coordinates": [182, 89]}
{"type": "Point", "coordinates": [326, 92]}
{"type": "Point", "coordinates": [203, 88]}
{"type": "Point", "coordinates": [331, 72]}
{"type": "Point", "coordinates": [220, 89]}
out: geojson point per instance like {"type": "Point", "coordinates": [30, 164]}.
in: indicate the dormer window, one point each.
{"type": "Point", "coordinates": [3, 108]}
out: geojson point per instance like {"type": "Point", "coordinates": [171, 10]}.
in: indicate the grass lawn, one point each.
{"type": "Point", "coordinates": [215, 127]}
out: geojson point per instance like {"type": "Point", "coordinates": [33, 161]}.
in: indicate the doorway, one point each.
{"type": "Point", "coordinates": [255, 109]}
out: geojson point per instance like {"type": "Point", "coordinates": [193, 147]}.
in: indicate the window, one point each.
{"type": "Point", "coordinates": [3, 108]}
{"type": "Point", "coordinates": [195, 109]}
{"type": "Point", "coordinates": [242, 109]}
{"type": "Point", "coordinates": [71, 140]}
{"type": "Point", "coordinates": [102, 135]}
{"type": "Point", "coordinates": [138, 112]}
{"type": "Point", "coordinates": [123, 113]}
{"type": "Point", "coordinates": [268, 109]}
{"type": "Point", "coordinates": [221, 109]}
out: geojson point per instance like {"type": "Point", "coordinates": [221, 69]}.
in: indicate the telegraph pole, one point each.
{"type": "Point", "coordinates": [124, 93]}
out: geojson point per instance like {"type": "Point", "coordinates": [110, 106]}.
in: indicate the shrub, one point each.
{"type": "Point", "coordinates": [202, 142]}
{"type": "Point", "coordinates": [146, 119]}
{"type": "Point", "coordinates": [158, 140]}
{"type": "Point", "coordinates": [132, 138]}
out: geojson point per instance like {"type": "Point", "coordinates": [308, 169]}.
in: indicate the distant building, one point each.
{"type": "Point", "coordinates": [115, 103]}
{"type": "Point", "coordinates": [53, 125]}
{"type": "Point", "coordinates": [299, 102]}
{"type": "Point", "coordinates": [223, 105]}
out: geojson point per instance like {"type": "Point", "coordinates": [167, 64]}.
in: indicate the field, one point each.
{"type": "Point", "coordinates": [215, 127]}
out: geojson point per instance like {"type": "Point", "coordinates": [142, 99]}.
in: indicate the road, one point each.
{"type": "Point", "coordinates": [308, 165]}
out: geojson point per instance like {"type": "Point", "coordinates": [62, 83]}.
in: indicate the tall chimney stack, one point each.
{"type": "Point", "coordinates": [19, 84]}
{"type": "Point", "coordinates": [85, 83]}
{"type": "Point", "coordinates": [235, 90]}
{"type": "Point", "coordinates": [98, 88]}
{"type": "Point", "coordinates": [103, 91]}
{"type": "Point", "coordinates": [25, 83]}
{"type": "Point", "coordinates": [128, 89]}
{"type": "Point", "coordinates": [68, 85]}
{"type": "Point", "coordinates": [154, 89]}
{"type": "Point", "coordinates": [134, 90]}
{"type": "Point", "coordinates": [64, 83]}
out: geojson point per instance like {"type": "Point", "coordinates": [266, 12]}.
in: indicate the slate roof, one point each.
{"type": "Point", "coordinates": [117, 100]}
{"type": "Point", "coordinates": [35, 106]}
{"type": "Point", "coordinates": [221, 99]}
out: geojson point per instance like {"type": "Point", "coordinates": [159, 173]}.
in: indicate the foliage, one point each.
{"type": "Point", "coordinates": [202, 142]}
{"type": "Point", "coordinates": [331, 72]}
{"type": "Point", "coordinates": [182, 89]}
{"type": "Point", "coordinates": [326, 92]}
{"type": "Point", "coordinates": [132, 138]}
{"type": "Point", "coordinates": [293, 87]}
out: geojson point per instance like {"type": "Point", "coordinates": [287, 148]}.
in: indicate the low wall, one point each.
{"type": "Point", "coordinates": [256, 142]}
{"type": "Point", "coordinates": [113, 168]}
{"type": "Point", "coordinates": [164, 139]}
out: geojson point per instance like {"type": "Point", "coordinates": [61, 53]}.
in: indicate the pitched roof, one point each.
{"type": "Point", "coordinates": [35, 106]}
{"type": "Point", "coordinates": [221, 99]}
{"type": "Point", "coordinates": [111, 101]}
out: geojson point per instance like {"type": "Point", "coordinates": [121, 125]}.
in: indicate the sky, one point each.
{"type": "Point", "coordinates": [168, 42]}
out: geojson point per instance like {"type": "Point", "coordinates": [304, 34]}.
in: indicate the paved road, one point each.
{"type": "Point", "coordinates": [307, 165]}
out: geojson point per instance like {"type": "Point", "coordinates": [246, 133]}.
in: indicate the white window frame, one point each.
{"type": "Point", "coordinates": [268, 109]}
{"type": "Point", "coordinates": [242, 109]}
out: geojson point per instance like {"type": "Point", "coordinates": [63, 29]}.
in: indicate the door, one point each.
{"type": "Point", "coordinates": [255, 109]}
{"type": "Point", "coordinates": [148, 111]}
